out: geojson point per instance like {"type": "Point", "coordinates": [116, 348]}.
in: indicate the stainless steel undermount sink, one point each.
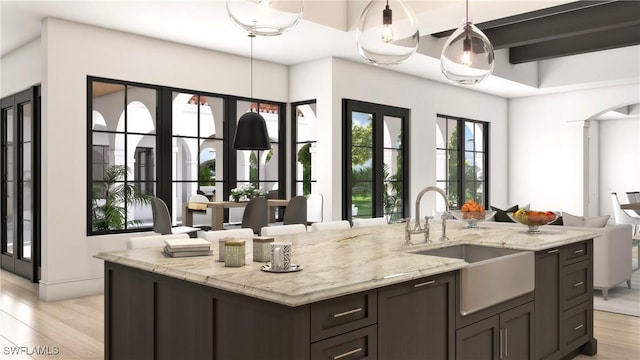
{"type": "Point", "coordinates": [493, 275]}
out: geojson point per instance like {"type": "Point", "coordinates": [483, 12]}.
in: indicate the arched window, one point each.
{"type": "Point", "coordinates": [461, 159]}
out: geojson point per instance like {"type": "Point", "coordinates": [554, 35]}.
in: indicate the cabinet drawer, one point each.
{"type": "Point", "coordinates": [336, 316]}
{"type": "Point", "coordinates": [573, 253]}
{"type": "Point", "coordinates": [578, 326]}
{"type": "Point", "coordinates": [357, 344]}
{"type": "Point", "coordinates": [576, 284]}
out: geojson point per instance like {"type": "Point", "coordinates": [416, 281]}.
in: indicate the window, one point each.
{"type": "Point", "coordinates": [123, 125]}
{"type": "Point", "coordinates": [462, 159]}
{"type": "Point", "coordinates": [375, 160]}
{"type": "Point", "coordinates": [197, 139]}
{"type": "Point", "coordinates": [144, 170]}
{"type": "Point", "coordinates": [304, 143]}
{"type": "Point", "coordinates": [147, 140]}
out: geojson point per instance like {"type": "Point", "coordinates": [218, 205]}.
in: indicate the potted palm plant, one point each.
{"type": "Point", "coordinates": [111, 197]}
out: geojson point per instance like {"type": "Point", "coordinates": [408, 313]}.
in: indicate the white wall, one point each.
{"type": "Point", "coordinates": [21, 68]}
{"type": "Point", "coordinates": [553, 144]}
{"type": "Point", "coordinates": [424, 98]}
{"type": "Point", "coordinates": [313, 80]}
{"type": "Point", "coordinates": [71, 52]}
{"type": "Point", "coordinates": [620, 160]}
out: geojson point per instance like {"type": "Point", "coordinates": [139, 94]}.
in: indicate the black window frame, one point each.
{"type": "Point", "coordinates": [294, 147]}
{"type": "Point", "coordinates": [460, 166]}
{"type": "Point", "coordinates": [163, 133]}
{"type": "Point", "coordinates": [379, 111]}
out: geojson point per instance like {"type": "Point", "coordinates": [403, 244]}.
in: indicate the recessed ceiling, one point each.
{"type": "Point", "coordinates": [327, 30]}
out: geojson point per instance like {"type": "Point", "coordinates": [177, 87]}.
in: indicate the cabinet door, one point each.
{"type": "Point", "coordinates": [548, 342]}
{"type": "Point", "coordinates": [516, 330]}
{"type": "Point", "coordinates": [478, 340]}
{"type": "Point", "coordinates": [416, 319]}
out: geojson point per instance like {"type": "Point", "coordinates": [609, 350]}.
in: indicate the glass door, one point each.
{"type": "Point", "coordinates": [375, 161]}
{"type": "Point", "coordinates": [19, 185]}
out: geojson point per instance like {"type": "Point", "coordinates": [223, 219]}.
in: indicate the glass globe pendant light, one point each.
{"type": "Point", "coordinates": [265, 17]}
{"type": "Point", "coordinates": [387, 32]}
{"type": "Point", "coordinates": [467, 57]}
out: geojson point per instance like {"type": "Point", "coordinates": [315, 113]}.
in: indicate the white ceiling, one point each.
{"type": "Point", "coordinates": [326, 30]}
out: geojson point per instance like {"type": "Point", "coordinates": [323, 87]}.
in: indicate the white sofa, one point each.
{"type": "Point", "coordinates": [612, 259]}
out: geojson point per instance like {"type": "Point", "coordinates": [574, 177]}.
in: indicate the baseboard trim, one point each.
{"type": "Point", "coordinates": [70, 289]}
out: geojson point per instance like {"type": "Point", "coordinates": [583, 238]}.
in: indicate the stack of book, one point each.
{"type": "Point", "coordinates": [187, 247]}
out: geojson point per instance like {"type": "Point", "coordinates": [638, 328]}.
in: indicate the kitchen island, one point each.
{"type": "Point", "coordinates": [344, 304]}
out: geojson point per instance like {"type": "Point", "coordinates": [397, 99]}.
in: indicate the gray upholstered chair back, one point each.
{"type": "Point", "coordinates": [296, 211]}
{"type": "Point", "coordinates": [161, 217]}
{"type": "Point", "coordinates": [256, 214]}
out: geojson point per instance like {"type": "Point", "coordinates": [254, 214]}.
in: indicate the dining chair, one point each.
{"type": "Point", "coordinates": [369, 222]}
{"type": "Point", "coordinates": [330, 225]}
{"type": "Point", "coordinates": [623, 216]}
{"type": "Point", "coordinates": [634, 197]}
{"type": "Point", "coordinates": [162, 220]}
{"type": "Point", "coordinates": [139, 242]}
{"type": "Point", "coordinates": [201, 217]}
{"type": "Point", "coordinates": [282, 230]}
{"type": "Point", "coordinates": [314, 208]}
{"type": "Point", "coordinates": [256, 214]}
{"type": "Point", "coordinates": [215, 235]}
{"type": "Point", "coordinates": [296, 211]}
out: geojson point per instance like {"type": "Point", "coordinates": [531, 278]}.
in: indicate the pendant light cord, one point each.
{"type": "Point", "coordinates": [467, 11]}
{"type": "Point", "coordinates": [251, 71]}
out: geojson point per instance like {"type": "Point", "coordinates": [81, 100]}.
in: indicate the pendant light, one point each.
{"type": "Point", "coordinates": [251, 130]}
{"type": "Point", "coordinates": [387, 32]}
{"type": "Point", "coordinates": [265, 17]}
{"type": "Point", "coordinates": [467, 57]}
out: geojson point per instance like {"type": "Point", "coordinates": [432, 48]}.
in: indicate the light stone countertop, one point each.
{"type": "Point", "coordinates": [342, 262]}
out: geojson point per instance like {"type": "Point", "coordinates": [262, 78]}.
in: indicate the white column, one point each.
{"type": "Point", "coordinates": [576, 158]}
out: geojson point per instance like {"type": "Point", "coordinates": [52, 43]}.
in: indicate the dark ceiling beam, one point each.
{"type": "Point", "coordinates": [603, 40]}
{"type": "Point", "coordinates": [581, 22]}
{"type": "Point", "coordinates": [546, 12]}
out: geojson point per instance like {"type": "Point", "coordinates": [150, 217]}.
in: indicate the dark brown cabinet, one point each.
{"type": "Point", "coordinates": [548, 344]}
{"type": "Point", "coordinates": [345, 327]}
{"type": "Point", "coordinates": [416, 319]}
{"type": "Point", "coordinates": [154, 316]}
{"type": "Point", "coordinates": [507, 335]}
{"type": "Point", "coordinates": [564, 301]}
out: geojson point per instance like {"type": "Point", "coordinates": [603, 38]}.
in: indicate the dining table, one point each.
{"type": "Point", "coordinates": [217, 213]}
{"type": "Point", "coordinates": [630, 206]}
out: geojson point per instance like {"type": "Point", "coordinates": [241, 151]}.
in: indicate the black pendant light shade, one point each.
{"type": "Point", "coordinates": [251, 133]}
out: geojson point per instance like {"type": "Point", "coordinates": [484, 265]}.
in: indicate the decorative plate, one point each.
{"type": "Point", "coordinates": [292, 268]}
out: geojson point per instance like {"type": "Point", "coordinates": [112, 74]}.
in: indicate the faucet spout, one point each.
{"type": "Point", "coordinates": [417, 229]}
{"type": "Point", "coordinates": [419, 198]}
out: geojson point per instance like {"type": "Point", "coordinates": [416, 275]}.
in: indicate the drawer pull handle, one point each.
{"type": "Point", "coordinates": [354, 351]}
{"type": "Point", "coordinates": [578, 251]}
{"type": "Point", "coordinates": [501, 346]}
{"type": "Point", "coordinates": [552, 251]}
{"type": "Point", "coordinates": [506, 343]}
{"type": "Point", "coordinates": [349, 312]}
{"type": "Point", "coordinates": [578, 284]}
{"type": "Point", "coordinates": [424, 283]}
{"type": "Point", "coordinates": [578, 327]}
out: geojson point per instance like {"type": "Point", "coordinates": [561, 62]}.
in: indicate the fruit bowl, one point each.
{"type": "Point", "coordinates": [533, 218]}
{"type": "Point", "coordinates": [472, 218]}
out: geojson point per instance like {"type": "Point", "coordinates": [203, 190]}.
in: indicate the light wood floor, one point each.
{"type": "Point", "coordinates": [73, 329]}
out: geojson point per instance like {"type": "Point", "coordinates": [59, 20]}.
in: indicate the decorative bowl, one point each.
{"type": "Point", "coordinates": [472, 218]}
{"type": "Point", "coordinates": [533, 218]}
